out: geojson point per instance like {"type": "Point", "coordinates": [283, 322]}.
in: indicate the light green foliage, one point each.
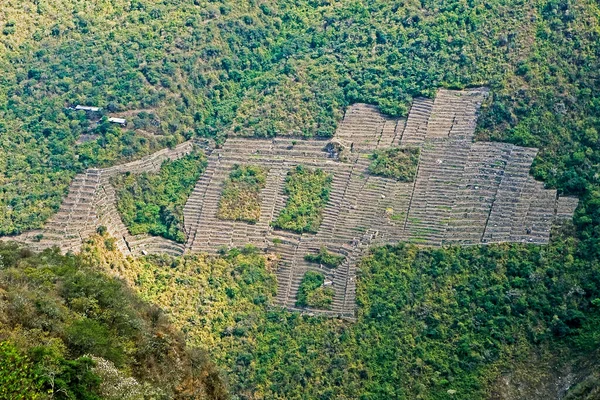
{"type": "Point", "coordinates": [311, 292]}
{"type": "Point", "coordinates": [240, 200]}
{"type": "Point", "coordinates": [308, 193]}
{"type": "Point", "coordinates": [398, 163]}
{"type": "Point", "coordinates": [237, 284]}
{"type": "Point", "coordinates": [153, 202]}
{"type": "Point", "coordinates": [459, 316]}
{"type": "Point", "coordinates": [325, 258]}
{"type": "Point", "coordinates": [17, 378]}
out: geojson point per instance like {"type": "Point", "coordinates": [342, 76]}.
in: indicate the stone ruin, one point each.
{"type": "Point", "coordinates": [464, 193]}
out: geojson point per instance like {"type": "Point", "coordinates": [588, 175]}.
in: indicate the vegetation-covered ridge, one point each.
{"type": "Point", "coordinates": [460, 317]}
{"type": "Point", "coordinates": [240, 199]}
{"type": "Point", "coordinates": [153, 202]}
{"type": "Point", "coordinates": [68, 330]}
{"type": "Point", "coordinates": [308, 193]}
{"type": "Point", "coordinates": [397, 163]}
{"type": "Point", "coordinates": [325, 258]}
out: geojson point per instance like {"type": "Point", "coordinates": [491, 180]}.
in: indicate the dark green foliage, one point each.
{"type": "Point", "coordinates": [398, 163]}
{"type": "Point", "coordinates": [259, 69]}
{"type": "Point", "coordinates": [240, 199]}
{"type": "Point", "coordinates": [153, 202]}
{"type": "Point", "coordinates": [325, 258]}
{"type": "Point", "coordinates": [311, 292]}
{"type": "Point", "coordinates": [308, 193]}
{"type": "Point", "coordinates": [457, 316]}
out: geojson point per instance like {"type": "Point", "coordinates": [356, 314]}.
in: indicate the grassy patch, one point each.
{"type": "Point", "coordinates": [325, 258]}
{"type": "Point", "coordinates": [240, 199]}
{"type": "Point", "coordinates": [153, 202]}
{"type": "Point", "coordinates": [312, 293]}
{"type": "Point", "coordinates": [398, 217]}
{"type": "Point", "coordinates": [308, 192]}
{"type": "Point", "coordinates": [399, 163]}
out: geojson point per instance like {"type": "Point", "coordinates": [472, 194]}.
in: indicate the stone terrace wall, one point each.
{"type": "Point", "coordinates": [91, 203]}
{"type": "Point", "coordinates": [464, 193]}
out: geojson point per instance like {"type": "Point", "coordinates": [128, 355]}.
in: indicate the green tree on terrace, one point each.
{"type": "Point", "coordinates": [308, 193]}
{"type": "Point", "coordinates": [326, 258]}
{"type": "Point", "coordinates": [312, 293]}
{"type": "Point", "coordinates": [153, 202]}
{"type": "Point", "coordinates": [397, 163]}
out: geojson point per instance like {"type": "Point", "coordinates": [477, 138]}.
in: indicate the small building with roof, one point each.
{"type": "Point", "coordinates": [87, 108]}
{"type": "Point", "coordinates": [120, 121]}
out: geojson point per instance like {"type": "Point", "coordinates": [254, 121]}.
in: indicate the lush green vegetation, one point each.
{"type": "Point", "coordinates": [325, 258]}
{"type": "Point", "coordinates": [429, 320]}
{"type": "Point", "coordinates": [240, 200]}
{"type": "Point", "coordinates": [398, 163]}
{"type": "Point", "coordinates": [67, 330]}
{"type": "Point", "coordinates": [308, 193]}
{"type": "Point", "coordinates": [214, 68]}
{"type": "Point", "coordinates": [17, 378]}
{"type": "Point", "coordinates": [312, 293]}
{"type": "Point", "coordinates": [153, 202]}
{"type": "Point", "coordinates": [220, 67]}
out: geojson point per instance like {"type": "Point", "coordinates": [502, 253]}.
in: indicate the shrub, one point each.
{"type": "Point", "coordinates": [240, 200]}
{"type": "Point", "coordinates": [325, 258]}
{"type": "Point", "coordinates": [308, 193]}
{"type": "Point", "coordinates": [17, 379]}
{"type": "Point", "coordinates": [399, 163]}
{"type": "Point", "coordinates": [153, 202]}
{"type": "Point", "coordinates": [312, 293]}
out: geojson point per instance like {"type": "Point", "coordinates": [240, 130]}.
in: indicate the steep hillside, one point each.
{"type": "Point", "coordinates": [67, 330]}
{"type": "Point", "coordinates": [504, 321]}
{"type": "Point", "coordinates": [499, 322]}
{"type": "Point", "coordinates": [215, 68]}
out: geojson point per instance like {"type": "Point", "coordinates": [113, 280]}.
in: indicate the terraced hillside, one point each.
{"type": "Point", "coordinates": [91, 203]}
{"type": "Point", "coordinates": [464, 193]}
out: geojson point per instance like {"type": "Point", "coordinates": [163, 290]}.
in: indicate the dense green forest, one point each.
{"type": "Point", "coordinates": [153, 202]}
{"type": "Point", "coordinates": [433, 324]}
{"type": "Point", "coordinates": [429, 321]}
{"type": "Point", "coordinates": [68, 330]}
{"type": "Point", "coordinates": [213, 68]}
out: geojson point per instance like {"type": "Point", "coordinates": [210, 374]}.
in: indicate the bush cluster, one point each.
{"type": "Point", "coordinates": [153, 202]}
{"type": "Point", "coordinates": [308, 193]}
{"type": "Point", "coordinates": [240, 199]}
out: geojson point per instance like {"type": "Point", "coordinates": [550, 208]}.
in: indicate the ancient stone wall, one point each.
{"type": "Point", "coordinates": [465, 193]}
